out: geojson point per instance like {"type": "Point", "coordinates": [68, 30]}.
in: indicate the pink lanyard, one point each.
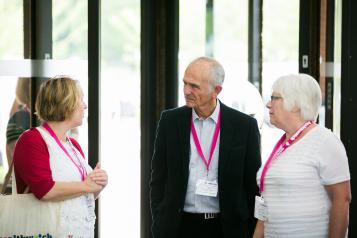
{"type": "Point", "coordinates": [80, 167]}
{"type": "Point", "coordinates": [280, 148]}
{"type": "Point", "coordinates": [213, 144]}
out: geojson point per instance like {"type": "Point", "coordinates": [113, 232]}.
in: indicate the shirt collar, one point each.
{"type": "Point", "coordinates": [213, 116]}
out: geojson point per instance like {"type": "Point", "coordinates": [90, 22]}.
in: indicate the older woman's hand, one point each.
{"type": "Point", "coordinates": [99, 176]}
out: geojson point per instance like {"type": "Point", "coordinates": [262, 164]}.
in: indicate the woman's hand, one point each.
{"type": "Point", "coordinates": [99, 176]}
{"type": "Point", "coordinates": [91, 186]}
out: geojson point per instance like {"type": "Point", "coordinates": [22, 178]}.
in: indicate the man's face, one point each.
{"type": "Point", "coordinates": [197, 89]}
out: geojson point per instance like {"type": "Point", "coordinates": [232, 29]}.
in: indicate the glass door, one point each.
{"type": "Point", "coordinates": [120, 118]}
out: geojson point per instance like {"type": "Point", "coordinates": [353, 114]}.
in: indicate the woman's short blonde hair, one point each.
{"type": "Point", "coordinates": [301, 91]}
{"type": "Point", "coordinates": [57, 99]}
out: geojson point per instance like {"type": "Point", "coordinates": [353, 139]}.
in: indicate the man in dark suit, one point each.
{"type": "Point", "coordinates": [204, 164]}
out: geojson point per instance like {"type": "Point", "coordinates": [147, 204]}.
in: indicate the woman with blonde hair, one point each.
{"type": "Point", "coordinates": [52, 165]}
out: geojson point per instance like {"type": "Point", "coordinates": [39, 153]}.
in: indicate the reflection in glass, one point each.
{"type": "Point", "coordinates": [20, 115]}
{"type": "Point", "coordinates": [120, 117]}
{"type": "Point", "coordinates": [11, 48]}
{"type": "Point", "coordinates": [7, 92]}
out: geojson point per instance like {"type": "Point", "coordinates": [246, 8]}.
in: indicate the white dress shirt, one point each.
{"type": "Point", "coordinates": [197, 168]}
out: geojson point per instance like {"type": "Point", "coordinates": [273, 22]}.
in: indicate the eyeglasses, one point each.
{"type": "Point", "coordinates": [274, 98]}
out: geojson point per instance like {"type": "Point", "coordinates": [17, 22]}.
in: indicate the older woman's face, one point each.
{"type": "Point", "coordinates": [277, 112]}
{"type": "Point", "coordinates": [78, 114]}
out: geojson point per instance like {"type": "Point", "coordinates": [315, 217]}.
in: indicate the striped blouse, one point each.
{"type": "Point", "coordinates": [297, 202]}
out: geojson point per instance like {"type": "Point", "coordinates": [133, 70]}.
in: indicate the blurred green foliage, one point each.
{"type": "Point", "coordinates": [11, 29]}
{"type": "Point", "coordinates": [120, 26]}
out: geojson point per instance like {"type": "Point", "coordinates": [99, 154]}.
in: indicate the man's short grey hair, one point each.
{"type": "Point", "coordinates": [302, 91]}
{"type": "Point", "coordinates": [216, 74]}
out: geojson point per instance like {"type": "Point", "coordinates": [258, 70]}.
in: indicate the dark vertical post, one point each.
{"type": "Point", "coordinates": [209, 28]}
{"type": "Point", "coordinates": [94, 14]}
{"type": "Point", "coordinates": [37, 39]}
{"type": "Point", "coordinates": [309, 37]}
{"type": "Point", "coordinates": [349, 97]}
{"type": "Point", "coordinates": [159, 62]}
{"type": "Point", "coordinates": [255, 43]}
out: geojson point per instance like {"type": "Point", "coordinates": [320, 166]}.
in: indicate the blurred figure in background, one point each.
{"type": "Point", "coordinates": [2, 170]}
{"type": "Point", "coordinates": [20, 116]}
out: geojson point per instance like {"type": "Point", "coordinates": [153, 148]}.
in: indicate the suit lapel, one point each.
{"type": "Point", "coordinates": [184, 140]}
{"type": "Point", "coordinates": [226, 133]}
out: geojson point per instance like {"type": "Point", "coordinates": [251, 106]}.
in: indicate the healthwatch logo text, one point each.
{"type": "Point", "coordinates": [33, 236]}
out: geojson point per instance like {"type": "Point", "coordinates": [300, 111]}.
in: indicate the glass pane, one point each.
{"type": "Point", "coordinates": [280, 57]}
{"type": "Point", "coordinates": [120, 117]}
{"type": "Point", "coordinates": [231, 49]}
{"type": "Point", "coordinates": [12, 33]}
{"type": "Point", "coordinates": [70, 31]}
{"type": "Point", "coordinates": [229, 45]}
{"type": "Point", "coordinates": [231, 40]}
{"type": "Point", "coordinates": [11, 48]}
{"type": "Point", "coordinates": [191, 36]}
{"type": "Point", "coordinates": [14, 119]}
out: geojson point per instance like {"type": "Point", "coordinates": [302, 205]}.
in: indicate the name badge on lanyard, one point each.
{"type": "Point", "coordinates": [260, 209]}
{"type": "Point", "coordinates": [205, 187]}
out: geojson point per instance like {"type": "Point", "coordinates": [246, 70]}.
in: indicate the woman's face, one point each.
{"type": "Point", "coordinates": [278, 114]}
{"type": "Point", "coordinates": [78, 114]}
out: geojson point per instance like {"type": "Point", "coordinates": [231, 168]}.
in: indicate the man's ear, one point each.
{"type": "Point", "coordinates": [217, 89]}
{"type": "Point", "coordinates": [296, 109]}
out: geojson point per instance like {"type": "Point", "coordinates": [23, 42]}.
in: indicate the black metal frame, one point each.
{"type": "Point", "coordinates": [94, 53]}
{"type": "Point", "coordinates": [37, 39]}
{"type": "Point", "coordinates": [159, 83]}
{"type": "Point", "coordinates": [309, 36]}
{"type": "Point", "coordinates": [348, 96]}
{"type": "Point", "coordinates": [255, 43]}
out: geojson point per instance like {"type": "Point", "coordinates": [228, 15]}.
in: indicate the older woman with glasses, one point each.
{"type": "Point", "coordinates": [305, 183]}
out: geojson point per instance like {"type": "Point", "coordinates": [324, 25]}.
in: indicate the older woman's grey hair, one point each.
{"type": "Point", "coordinates": [301, 91]}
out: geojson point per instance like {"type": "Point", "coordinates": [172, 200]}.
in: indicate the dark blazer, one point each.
{"type": "Point", "coordinates": [239, 161]}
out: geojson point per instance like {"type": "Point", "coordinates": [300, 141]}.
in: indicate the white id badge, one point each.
{"type": "Point", "coordinates": [207, 188]}
{"type": "Point", "coordinates": [260, 211]}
